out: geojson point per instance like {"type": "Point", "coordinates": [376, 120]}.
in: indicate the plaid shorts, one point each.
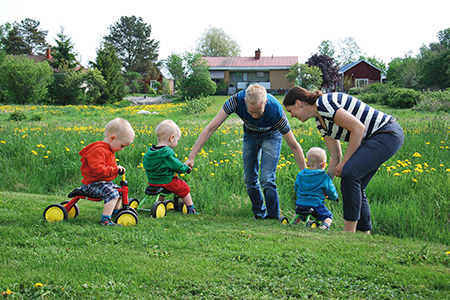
{"type": "Point", "coordinates": [106, 190]}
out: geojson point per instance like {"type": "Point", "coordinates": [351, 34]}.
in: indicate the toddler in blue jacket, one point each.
{"type": "Point", "coordinates": [313, 184]}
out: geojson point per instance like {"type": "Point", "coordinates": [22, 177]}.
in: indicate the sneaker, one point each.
{"type": "Point", "coordinates": [192, 211]}
{"type": "Point", "coordinates": [324, 227]}
{"type": "Point", "coordinates": [109, 222]}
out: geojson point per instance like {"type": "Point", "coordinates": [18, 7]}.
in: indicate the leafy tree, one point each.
{"type": "Point", "coordinates": [63, 53]}
{"type": "Point", "coordinates": [93, 87]}
{"type": "Point", "coordinates": [329, 69]}
{"type": "Point", "coordinates": [327, 48]}
{"type": "Point", "coordinates": [26, 38]}
{"type": "Point", "coordinates": [305, 76]}
{"type": "Point", "coordinates": [349, 51]}
{"type": "Point", "coordinates": [134, 81]}
{"type": "Point", "coordinates": [215, 42]}
{"type": "Point", "coordinates": [110, 67]}
{"type": "Point", "coordinates": [191, 74]}
{"type": "Point", "coordinates": [4, 30]}
{"type": "Point", "coordinates": [130, 36]}
{"type": "Point", "coordinates": [23, 81]}
{"type": "Point", "coordinates": [403, 72]}
{"type": "Point", "coordinates": [444, 38]}
{"type": "Point", "coordinates": [67, 88]}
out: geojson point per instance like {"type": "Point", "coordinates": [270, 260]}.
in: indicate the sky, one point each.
{"type": "Point", "coordinates": [385, 29]}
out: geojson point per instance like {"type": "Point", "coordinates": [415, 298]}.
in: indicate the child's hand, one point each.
{"type": "Point", "coordinates": [121, 170]}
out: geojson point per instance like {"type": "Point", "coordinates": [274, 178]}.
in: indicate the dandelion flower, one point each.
{"type": "Point", "coordinates": [447, 253]}
{"type": "Point", "coordinates": [2, 142]}
{"type": "Point", "coordinates": [414, 180]}
{"type": "Point", "coordinates": [417, 155]}
{"type": "Point", "coordinates": [34, 152]}
{"type": "Point", "coordinates": [212, 174]}
{"type": "Point", "coordinates": [38, 284]}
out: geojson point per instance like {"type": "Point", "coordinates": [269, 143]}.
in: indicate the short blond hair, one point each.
{"type": "Point", "coordinates": [166, 128]}
{"type": "Point", "coordinates": [121, 128]}
{"type": "Point", "coordinates": [255, 94]}
{"type": "Point", "coordinates": [316, 157]}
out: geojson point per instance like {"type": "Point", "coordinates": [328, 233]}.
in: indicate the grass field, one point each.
{"type": "Point", "coordinates": [222, 253]}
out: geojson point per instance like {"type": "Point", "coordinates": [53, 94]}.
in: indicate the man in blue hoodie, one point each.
{"type": "Point", "coordinates": [313, 184]}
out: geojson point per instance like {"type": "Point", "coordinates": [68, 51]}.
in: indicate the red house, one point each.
{"type": "Point", "coordinates": [358, 74]}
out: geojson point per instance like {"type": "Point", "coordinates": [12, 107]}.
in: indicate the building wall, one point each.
{"type": "Point", "coordinates": [279, 81]}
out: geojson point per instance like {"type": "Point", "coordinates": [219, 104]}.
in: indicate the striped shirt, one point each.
{"type": "Point", "coordinates": [274, 117]}
{"type": "Point", "coordinates": [328, 104]}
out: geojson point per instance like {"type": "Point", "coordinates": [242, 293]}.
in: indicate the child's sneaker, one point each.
{"type": "Point", "coordinates": [109, 222]}
{"type": "Point", "coordinates": [192, 211]}
{"type": "Point", "coordinates": [324, 226]}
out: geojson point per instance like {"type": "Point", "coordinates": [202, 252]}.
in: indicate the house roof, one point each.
{"type": "Point", "coordinates": [247, 63]}
{"type": "Point", "coordinates": [347, 67]}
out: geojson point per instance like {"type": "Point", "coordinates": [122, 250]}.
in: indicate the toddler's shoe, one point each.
{"type": "Point", "coordinates": [192, 211]}
{"type": "Point", "coordinates": [109, 222]}
{"type": "Point", "coordinates": [324, 227]}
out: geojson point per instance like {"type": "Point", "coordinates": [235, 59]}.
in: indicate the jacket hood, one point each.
{"type": "Point", "coordinates": [92, 147]}
{"type": "Point", "coordinates": [311, 179]}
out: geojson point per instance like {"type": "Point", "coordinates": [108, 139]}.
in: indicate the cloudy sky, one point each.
{"type": "Point", "coordinates": [385, 29]}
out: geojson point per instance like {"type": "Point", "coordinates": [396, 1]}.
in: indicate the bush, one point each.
{"type": "Point", "coordinates": [36, 118]}
{"type": "Point", "coordinates": [195, 106]}
{"type": "Point", "coordinates": [402, 98]}
{"type": "Point", "coordinates": [434, 101]}
{"type": "Point", "coordinates": [17, 116]}
{"type": "Point", "coordinates": [151, 92]}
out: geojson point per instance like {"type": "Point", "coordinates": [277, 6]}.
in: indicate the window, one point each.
{"type": "Point", "coordinates": [361, 82]}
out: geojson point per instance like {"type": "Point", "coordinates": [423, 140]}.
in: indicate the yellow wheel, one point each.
{"type": "Point", "coordinates": [74, 211]}
{"type": "Point", "coordinates": [184, 209]}
{"type": "Point", "coordinates": [134, 203]}
{"type": "Point", "coordinates": [169, 205]}
{"type": "Point", "coordinates": [127, 218]}
{"type": "Point", "coordinates": [55, 213]}
{"type": "Point", "coordinates": [283, 220]}
{"type": "Point", "coordinates": [158, 209]}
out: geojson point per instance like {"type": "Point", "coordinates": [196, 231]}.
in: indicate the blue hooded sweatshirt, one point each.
{"type": "Point", "coordinates": [310, 186]}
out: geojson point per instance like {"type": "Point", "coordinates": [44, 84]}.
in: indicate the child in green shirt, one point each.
{"type": "Point", "coordinates": [161, 163]}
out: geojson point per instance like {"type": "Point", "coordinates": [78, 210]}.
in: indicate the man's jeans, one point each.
{"type": "Point", "coordinates": [264, 147]}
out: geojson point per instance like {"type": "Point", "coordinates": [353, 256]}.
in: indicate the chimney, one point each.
{"type": "Point", "coordinates": [48, 53]}
{"type": "Point", "coordinates": [258, 54]}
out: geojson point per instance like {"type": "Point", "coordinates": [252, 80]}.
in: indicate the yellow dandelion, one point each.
{"type": "Point", "coordinates": [417, 155]}
{"type": "Point", "coordinates": [2, 142]}
{"type": "Point", "coordinates": [447, 253]}
{"type": "Point", "coordinates": [81, 142]}
{"type": "Point", "coordinates": [142, 154]}
{"type": "Point", "coordinates": [448, 170]}
{"type": "Point", "coordinates": [212, 174]}
{"type": "Point", "coordinates": [67, 149]}
{"type": "Point", "coordinates": [414, 180]}
{"type": "Point", "coordinates": [45, 156]}
{"type": "Point", "coordinates": [397, 174]}
{"type": "Point", "coordinates": [38, 285]}
{"type": "Point", "coordinates": [34, 152]}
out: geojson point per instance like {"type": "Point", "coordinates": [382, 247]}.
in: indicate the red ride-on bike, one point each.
{"type": "Point", "coordinates": [126, 216]}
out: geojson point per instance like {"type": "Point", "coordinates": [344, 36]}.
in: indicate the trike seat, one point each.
{"type": "Point", "coordinates": [305, 211]}
{"type": "Point", "coordinates": [77, 192]}
{"type": "Point", "coordinates": [155, 190]}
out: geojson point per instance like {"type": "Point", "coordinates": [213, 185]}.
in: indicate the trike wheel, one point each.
{"type": "Point", "coordinates": [169, 204]}
{"type": "Point", "coordinates": [311, 224]}
{"type": "Point", "coordinates": [127, 218]}
{"type": "Point", "coordinates": [74, 211]}
{"type": "Point", "coordinates": [55, 213]}
{"type": "Point", "coordinates": [158, 209]}
{"type": "Point", "coordinates": [134, 203]}
{"type": "Point", "coordinates": [283, 220]}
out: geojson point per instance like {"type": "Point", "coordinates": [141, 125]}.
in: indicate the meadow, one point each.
{"type": "Point", "coordinates": [222, 253]}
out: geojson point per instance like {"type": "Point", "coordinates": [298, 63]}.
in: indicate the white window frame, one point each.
{"type": "Point", "coordinates": [361, 82]}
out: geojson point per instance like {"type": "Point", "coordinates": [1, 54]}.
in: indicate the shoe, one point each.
{"type": "Point", "coordinates": [256, 217]}
{"type": "Point", "coordinates": [324, 227]}
{"type": "Point", "coordinates": [109, 222]}
{"type": "Point", "coordinates": [192, 212]}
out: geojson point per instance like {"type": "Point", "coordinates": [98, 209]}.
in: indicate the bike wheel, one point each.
{"type": "Point", "coordinates": [73, 212]}
{"type": "Point", "coordinates": [158, 209]}
{"type": "Point", "coordinates": [134, 203]}
{"type": "Point", "coordinates": [169, 204]}
{"type": "Point", "coordinates": [127, 218]}
{"type": "Point", "coordinates": [283, 220]}
{"type": "Point", "coordinates": [55, 213]}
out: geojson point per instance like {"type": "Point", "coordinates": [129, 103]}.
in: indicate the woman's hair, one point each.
{"type": "Point", "coordinates": [121, 128]}
{"type": "Point", "coordinates": [299, 93]}
{"type": "Point", "coordinates": [166, 128]}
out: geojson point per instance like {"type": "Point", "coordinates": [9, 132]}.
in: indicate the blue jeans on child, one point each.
{"type": "Point", "coordinates": [360, 168]}
{"type": "Point", "coordinates": [264, 147]}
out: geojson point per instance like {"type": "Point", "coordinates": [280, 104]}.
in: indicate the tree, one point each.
{"type": "Point", "coordinates": [110, 67]}
{"type": "Point", "coordinates": [130, 36]}
{"type": "Point", "coordinates": [26, 38]}
{"type": "Point", "coordinates": [93, 87]}
{"type": "Point", "coordinates": [329, 69]}
{"type": "Point", "coordinates": [4, 30]}
{"type": "Point", "coordinates": [403, 72]}
{"type": "Point", "coordinates": [191, 74]}
{"type": "Point", "coordinates": [327, 48]}
{"type": "Point", "coordinates": [23, 81]}
{"type": "Point", "coordinates": [63, 53]}
{"type": "Point", "coordinates": [305, 76]}
{"type": "Point", "coordinates": [215, 42]}
{"type": "Point", "coordinates": [444, 38]}
{"type": "Point", "coordinates": [66, 88]}
{"type": "Point", "coordinates": [134, 81]}
{"type": "Point", "coordinates": [349, 51]}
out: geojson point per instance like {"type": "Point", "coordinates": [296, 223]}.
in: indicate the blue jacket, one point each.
{"type": "Point", "coordinates": [311, 185]}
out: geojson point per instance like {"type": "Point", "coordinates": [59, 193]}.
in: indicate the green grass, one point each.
{"type": "Point", "coordinates": [222, 253]}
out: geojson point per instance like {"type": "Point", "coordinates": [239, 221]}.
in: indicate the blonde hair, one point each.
{"type": "Point", "coordinates": [255, 94]}
{"type": "Point", "coordinates": [316, 157]}
{"type": "Point", "coordinates": [166, 128]}
{"type": "Point", "coordinates": [121, 128]}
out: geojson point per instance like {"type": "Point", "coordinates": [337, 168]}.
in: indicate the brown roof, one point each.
{"type": "Point", "coordinates": [268, 62]}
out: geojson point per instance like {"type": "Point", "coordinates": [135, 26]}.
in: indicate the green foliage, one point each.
{"type": "Point", "coordinates": [93, 85]}
{"type": "Point", "coordinates": [23, 81]}
{"type": "Point", "coordinates": [195, 106]}
{"type": "Point", "coordinates": [130, 36]}
{"type": "Point", "coordinates": [215, 42]}
{"type": "Point", "coordinates": [66, 88]}
{"type": "Point", "coordinates": [151, 92]}
{"type": "Point", "coordinates": [192, 78]}
{"type": "Point", "coordinates": [434, 101]}
{"type": "Point", "coordinates": [305, 76]}
{"type": "Point", "coordinates": [64, 56]}
{"type": "Point", "coordinates": [401, 98]}
{"type": "Point", "coordinates": [110, 67]}
{"type": "Point", "coordinates": [23, 38]}
{"type": "Point", "coordinates": [17, 116]}
{"type": "Point", "coordinates": [36, 117]}
{"type": "Point", "coordinates": [134, 82]}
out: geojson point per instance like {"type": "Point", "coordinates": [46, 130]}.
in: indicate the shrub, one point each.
{"type": "Point", "coordinates": [17, 116]}
{"type": "Point", "coordinates": [36, 118]}
{"type": "Point", "coordinates": [403, 98]}
{"type": "Point", "coordinates": [151, 92]}
{"type": "Point", "coordinates": [434, 101]}
{"type": "Point", "coordinates": [195, 106]}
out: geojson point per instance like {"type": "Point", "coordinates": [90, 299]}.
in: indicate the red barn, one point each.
{"type": "Point", "coordinates": [358, 74]}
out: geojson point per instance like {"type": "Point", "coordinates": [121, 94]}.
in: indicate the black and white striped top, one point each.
{"type": "Point", "coordinates": [328, 104]}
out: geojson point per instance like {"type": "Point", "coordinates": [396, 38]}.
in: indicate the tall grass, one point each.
{"type": "Point", "coordinates": [408, 196]}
